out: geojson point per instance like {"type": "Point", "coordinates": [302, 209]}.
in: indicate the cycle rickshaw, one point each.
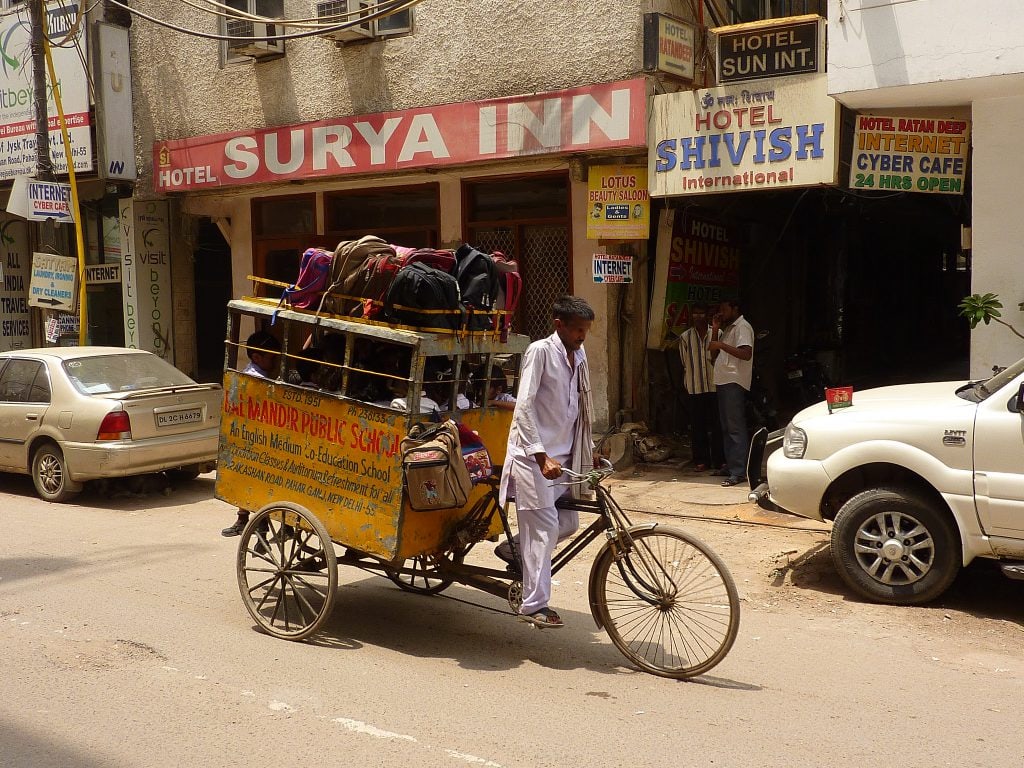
{"type": "Point", "coordinates": [322, 470]}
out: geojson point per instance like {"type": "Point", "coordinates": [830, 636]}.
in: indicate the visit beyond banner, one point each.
{"type": "Point", "coordinates": [910, 154]}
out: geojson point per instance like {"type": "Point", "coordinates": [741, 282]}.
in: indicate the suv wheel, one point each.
{"type": "Point", "coordinates": [890, 545]}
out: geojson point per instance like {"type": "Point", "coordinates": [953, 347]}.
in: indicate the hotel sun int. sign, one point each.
{"type": "Point", "coordinates": [596, 117]}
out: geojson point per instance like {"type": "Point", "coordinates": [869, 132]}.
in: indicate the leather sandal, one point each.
{"type": "Point", "coordinates": [545, 618]}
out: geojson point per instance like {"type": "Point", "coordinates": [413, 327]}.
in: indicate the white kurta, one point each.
{"type": "Point", "coordinates": [544, 421]}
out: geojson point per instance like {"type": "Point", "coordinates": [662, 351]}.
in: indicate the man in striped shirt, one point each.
{"type": "Point", "coordinates": [699, 380]}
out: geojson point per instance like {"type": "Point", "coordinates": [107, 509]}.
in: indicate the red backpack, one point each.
{"type": "Point", "coordinates": [510, 290]}
{"type": "Point", "coordinates": [314, 273]}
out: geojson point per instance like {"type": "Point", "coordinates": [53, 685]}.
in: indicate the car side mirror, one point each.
{"type": "Point", "coordinates": [1018, 402]}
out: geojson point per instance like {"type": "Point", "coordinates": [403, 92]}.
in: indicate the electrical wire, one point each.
{"type": "Point", "coordinates": [322, 30]}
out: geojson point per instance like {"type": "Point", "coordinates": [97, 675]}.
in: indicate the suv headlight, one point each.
{"type": "Point", "coordinates": [794, 442]}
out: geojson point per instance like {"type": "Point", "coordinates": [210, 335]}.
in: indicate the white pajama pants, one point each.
{"type": "Point", "coordinates": [540, 529]}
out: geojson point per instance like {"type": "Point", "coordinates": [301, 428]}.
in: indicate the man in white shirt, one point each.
{"type": "Point", "coordinates": [732, 349]}
{"type": "Point", "coordinates": [699, 380]}
{"type": "Point", "coordinates": [550, 429]}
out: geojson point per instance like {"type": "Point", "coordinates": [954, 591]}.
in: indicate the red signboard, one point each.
{"type": "Point", "coordinates": [595, 117]}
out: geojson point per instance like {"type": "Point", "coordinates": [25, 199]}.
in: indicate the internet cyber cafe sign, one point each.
{"type": "Point", "coordinates": [911, 154]}
{"type": "Point", "coordinates": [146, 276]}
{"type": "Point", "coordinates": [618, 203]}
{"type": "Point", "coordinates": [613, 268]}
{"type": "Point", "coordinates": [774, 134]}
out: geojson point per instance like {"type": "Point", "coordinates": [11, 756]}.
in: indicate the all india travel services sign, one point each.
{"type": "Point", "coordinates": [602, 116]}
{"type": "Point", "coordinates": [777, 133]}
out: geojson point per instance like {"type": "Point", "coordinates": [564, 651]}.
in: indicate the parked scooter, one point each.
{"type": "Point", "coordinates": [806, 379]}
{"type": "Point", "coordinates": [761, 410]}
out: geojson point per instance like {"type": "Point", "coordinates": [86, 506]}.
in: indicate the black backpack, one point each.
{"type": "Point", "coordinates": [420, 286]}
{"type": "Point", "coordinates": [478, 283]}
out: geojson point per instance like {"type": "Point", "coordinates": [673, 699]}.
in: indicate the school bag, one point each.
{"type": "Point", "coordinates": [434, 472]}
{"type": "Point", "coordinates": [478, 284]}
{"type": "Point", "coordinates": [438, 259]}
{"type": "Point", "coordinates": [419, 286]}
{"type": "Point", "coordinates": [510, 290]}
{"type": "Point", "coordinates": [360, 275]}
{"type": "Point", "coordinates": [314, 273]}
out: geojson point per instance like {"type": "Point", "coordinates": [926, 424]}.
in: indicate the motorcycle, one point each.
{"type": "Point", "coordinates": [806, 379]}
{"type": "Point", "coordinates": [761, 410]}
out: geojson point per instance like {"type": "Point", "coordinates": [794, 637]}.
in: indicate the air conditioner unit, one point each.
{"type": "Point", "coordinates": [256, 49]}
{"type": "Point", "coordinates": [331, 12]}
{"type": "Point", "coordinates": [399, 23]}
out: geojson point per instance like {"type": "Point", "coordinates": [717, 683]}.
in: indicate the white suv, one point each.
{"type": "Point", "coordinates": [919, 480]}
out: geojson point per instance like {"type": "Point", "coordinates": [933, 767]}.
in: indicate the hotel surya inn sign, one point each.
{"type": "Point", "coordinates": [596, 117]}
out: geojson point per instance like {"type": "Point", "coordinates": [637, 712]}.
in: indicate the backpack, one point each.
{"type": "Point", "coordinates": [314, 273]}
{"type": "Point", "coordinates": [361, 272]}
{"type": "Point", "coordinates": [478, 284]}
{"type": "Point", "coordinates": [510, 290]}
{"type": "Point", "coordinates": [419, 286]}
{"type": "Point", "coordinates": [438, 259]}
{"type": "Point", "coordinates": [434, 472]}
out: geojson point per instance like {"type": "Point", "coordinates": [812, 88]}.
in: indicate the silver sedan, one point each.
{"type": "Point", "coordinates": [73, 414]}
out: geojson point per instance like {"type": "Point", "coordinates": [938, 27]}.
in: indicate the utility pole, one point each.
{"type": "Point", "coordinates": [44, 165]}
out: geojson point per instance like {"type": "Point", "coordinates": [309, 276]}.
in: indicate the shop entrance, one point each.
{"type": "Point", "coordinates": [865, 284]}
{"type": "Point", "coordinates": [212, 268]}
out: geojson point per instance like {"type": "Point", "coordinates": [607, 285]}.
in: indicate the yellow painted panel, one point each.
{"type": "Point", "coordinates": [338, 459]}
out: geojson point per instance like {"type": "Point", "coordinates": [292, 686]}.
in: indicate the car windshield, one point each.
{"type": "Point", "coordinates": [980, 390]}
{"type": "Point", "coordinates": [122, 373]}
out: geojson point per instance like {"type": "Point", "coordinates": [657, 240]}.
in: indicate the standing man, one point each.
{"type": "Point", "coordinates": [551, 428]}
{"type": "Point", "coordinates": [732, 349]}
{"type": "Point", "coordinates": [699, 380]}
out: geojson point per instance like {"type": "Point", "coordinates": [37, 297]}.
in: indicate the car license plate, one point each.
{"type": "Point", "coordinates": [177, 418]}
{"type": "Point", "coordinates": [797, 374]}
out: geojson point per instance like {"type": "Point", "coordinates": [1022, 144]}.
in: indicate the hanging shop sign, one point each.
{"type": "Point", "coordinates": [146, 276]}
{"type": "Point", "coordinates": [604, 116]}
{"type": "Point", "coordinates": [794, 46]}
{"type": "Point", "coordinates": [613, 268]}
{"type": "Point", "coordinates": [102, 273]}
{"type": "Point", "coordinates": [618, 203]}
{"type": "Point", "coordinates": [41, 200]}
{"type": "Point", "coordinates": [15, 263]}
{"type": "Point", "coordinates": [53, 282]}
{"type": "Point", "coordinates": [773, 134]}
{"type": "Point", "coordinates": [697, 262]}
{"type": "Point", "coordinates": [910, 154]}
{"type": "Point", "coordinates": [668, 46]}
{"type": "Point", "coordinates": [17, 120]}
{"type": "Point", "coordinates": [115, 126]}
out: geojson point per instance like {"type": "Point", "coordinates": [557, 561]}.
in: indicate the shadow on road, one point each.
{"type": "Point", "coordinates": [373, 612]}
{"type": "Point", "coordinates": [126, 494]}
{"type": "Point", "coordinates": [980, 589]}
{"type": "Point", "coordinates": [19, 747]}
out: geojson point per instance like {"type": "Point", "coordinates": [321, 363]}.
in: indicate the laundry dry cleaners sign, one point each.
{"type": "Point", "coordinates": [911, 154]}
{"type": "Point", "coordinates": [604, 116]}
{"type": "Point", "coordinates": [776, 133]}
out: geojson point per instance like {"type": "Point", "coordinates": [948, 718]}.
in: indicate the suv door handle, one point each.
{"type": "Point", "coordinates": [32, 417]}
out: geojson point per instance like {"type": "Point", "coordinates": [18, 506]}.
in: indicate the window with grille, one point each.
{"type": "Point", "coordinates": [528, 219]}
{"type": "Point", "coordinates": [282, 228]}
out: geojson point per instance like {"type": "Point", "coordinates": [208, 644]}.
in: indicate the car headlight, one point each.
{"type": "Point", "coordinates": [794, 442]}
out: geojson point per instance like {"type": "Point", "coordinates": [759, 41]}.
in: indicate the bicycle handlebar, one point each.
{"type": "Point", "coordinates": [593, 477]}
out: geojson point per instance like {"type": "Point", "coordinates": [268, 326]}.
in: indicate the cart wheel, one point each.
{"type": "Point", "coordinates": [668, 604]}
{"type": "Point", "coordinates": [425, 578]}
{"type": "Point", "coordinates": [287, 571]}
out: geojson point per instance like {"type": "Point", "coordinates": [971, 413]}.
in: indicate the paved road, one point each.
{"type": "Point", "coordinates": [125, 643]}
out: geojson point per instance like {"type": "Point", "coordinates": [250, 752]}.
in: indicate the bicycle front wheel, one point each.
{"type": "Point", "coordinates": [668, 603]}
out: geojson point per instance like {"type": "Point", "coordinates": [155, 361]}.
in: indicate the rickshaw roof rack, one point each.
{"type": "Point", "coordinates": [429, 343]}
